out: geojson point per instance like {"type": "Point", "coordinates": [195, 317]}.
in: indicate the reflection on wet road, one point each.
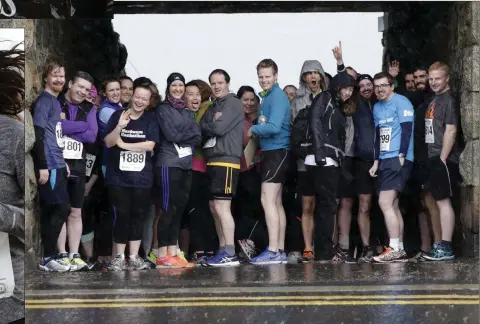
{"type": "Point", "coordinates": [311, 293]}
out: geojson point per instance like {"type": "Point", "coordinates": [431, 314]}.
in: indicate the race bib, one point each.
{"type": "Point", "coordinates": [89, 164]}
{"type": "Point", "coordinates": [73, 149]}
{"type": "Point", "coordinates": [7, 281]}
{"type": "Point", "coordinates": [210, 143]}
{"type": "Point", "coordinates": [429, 137]}
{"type": "Point", "coordinates": [59, 135]}
{"type": "Point", "coordinates": [385, 138]}
{"type": "Point", "coordinates": [183, 151]}
{"type": "Point", "coordinates": [132, 161]}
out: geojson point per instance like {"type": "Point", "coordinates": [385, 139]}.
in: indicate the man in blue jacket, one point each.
{"type": "Point", "coordinates": [273, 129]}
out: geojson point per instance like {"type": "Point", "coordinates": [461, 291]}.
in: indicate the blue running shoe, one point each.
{"type": "Point", "coordinates": [269, 257]}
{"type": "Point", "coordinates": [223, 260]}
{"type": "Point", "coordinates": [440, 253]}
{"type": "Point", "coordinates": [284, 257]}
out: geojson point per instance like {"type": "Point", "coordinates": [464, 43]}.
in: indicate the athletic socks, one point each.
{"type": "Point", "coordinates": [221, 249]}
{"type": "Point", "coordinates": [344, 241]}
{"type": "Point", "coordinates": [230, 249]}
{"type": "Point", "coordinates": [400, 246]}
{"type": "Point", "coordinates": [395, 244]}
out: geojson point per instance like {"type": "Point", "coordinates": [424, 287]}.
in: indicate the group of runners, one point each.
{"type": "Point", "coordinates": [133, 180]}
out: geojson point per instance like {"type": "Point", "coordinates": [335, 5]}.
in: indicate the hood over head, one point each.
{"type": "Point", "coordinates": [311, 66]}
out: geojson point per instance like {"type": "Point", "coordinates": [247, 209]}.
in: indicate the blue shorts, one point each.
{"type": "Point", "coordinates": [55, 190]}
{"type": "Point", "coordinates": [393, 176]}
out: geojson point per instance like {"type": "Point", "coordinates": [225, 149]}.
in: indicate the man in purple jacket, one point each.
{"type": "Point", "coordinates": [79, 126]}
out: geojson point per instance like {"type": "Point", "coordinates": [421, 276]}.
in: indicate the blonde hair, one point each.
{"type": "Point", "coordinates": [439, 66]}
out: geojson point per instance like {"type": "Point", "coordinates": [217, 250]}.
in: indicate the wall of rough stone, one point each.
{"type": "Point", "coordinates": [89, 45]}
{"type": "Point", "coordinates": [449, 32]}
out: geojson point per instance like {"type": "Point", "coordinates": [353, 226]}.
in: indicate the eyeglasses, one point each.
{"type": "Point", "coordinates": [382, 86]}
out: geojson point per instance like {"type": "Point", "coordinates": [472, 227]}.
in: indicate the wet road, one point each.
{"type": "Point", "coordinates": [311, 293]}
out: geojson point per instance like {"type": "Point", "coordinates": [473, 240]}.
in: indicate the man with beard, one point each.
{"type": "Point", "coordinates": [312, 82]}
{"type": "Point", "coordinates": [441, 122]}
{"type": "Point", "coordinates": [394, 116]}
{"type": "Point", "coordinates": [50, 166]}
{"type": "Point", "coordinates": [79, 126]}
{"type": "Point", "coordinates": [410, 82]}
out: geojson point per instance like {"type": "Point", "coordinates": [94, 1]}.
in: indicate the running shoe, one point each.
{"type": "Point", "coordinates": [367, 255]}
{"type": "Point", "coordinates": [420, 256]}
{"type": "Point", "coordinates": [223, 260]}
{"type": "Point", "coordinates": [340, 255]}
{"type": "Point", "coordinates": [179, 261]}
{"type": "Point", "coordinates": [248, 248]}
{"type": "Point", "coordinates": [181, 255]}
{"type": "Point", "coordinates": [283, 257]}
{"type": "Point", "coordinates": [137, 263]}
{"type": "Point", "coordinates": [440, 253]}
{"type": "Point", "coordinates": [77, 264]}
{"type": "Point", "coordinates": [93, 265]}
{"type": "Point", "coordinates": [117, 264]}
{"type": "Point", "coordinates": [64, 258]}
{"type": "Point", "coordinates": [293, 257]}
{"type": "Point", "coordinates": [152, 257]}
{"type": "Point", "coordinates": [268, 257]}
{"type": "Point", "coordinates": [307, 257]}
{"type": "Point", "coordinates": [53, 264]}
{"type": "Point", "coordinates": [390, 255]}
{"type": "Point", "coordinates": [163, 262]}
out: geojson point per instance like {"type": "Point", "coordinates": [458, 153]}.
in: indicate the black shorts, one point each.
{"type": "Point", "coordinates": [364, 183]}
{"type": "Point", "coordinates": [222, 181]}
{"type": "Point", "coordinates": [346, 184]}
{"type": "Point", "coordinates": [418, 178]}
{"type": "Point", "coordinates": [443, 178]}
{"type": "Point", "coordinates": [274, 166]}
{"type": "Point", "coordinates": [392, 175]}
{"type": "Point", "coordinates": [76, 191]}
{"type": "Point", "coordinates": [55, 190]}
{"type": "Point", "coordinates": [306, 182]}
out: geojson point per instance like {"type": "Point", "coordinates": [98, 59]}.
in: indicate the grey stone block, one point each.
{"type": "Point", "coordinates": [470, 114]}
{"type": "Point", "coordinates": [470, 163]}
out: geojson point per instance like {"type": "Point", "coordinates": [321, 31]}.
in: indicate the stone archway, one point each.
{"type": "Point", "coordinates": [413, 32]}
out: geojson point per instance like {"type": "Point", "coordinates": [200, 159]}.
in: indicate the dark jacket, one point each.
{"type": "Point", "coordinates": [364, 130]}
{"type": "Point", "coordinates": [228, 130]}
{"type": "Point", "coordinates": [327, 125]}
{"type": "Point", "coordinates": [177, 129]}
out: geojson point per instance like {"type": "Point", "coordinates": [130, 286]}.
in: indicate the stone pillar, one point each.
{"type": "Point", "coordinates": [465, 48]}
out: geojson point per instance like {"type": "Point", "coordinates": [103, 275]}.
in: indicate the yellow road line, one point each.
{"type": "Point", "coordinates": [316, 297]}
{"type": "Point", "coordinates": [265, 303]}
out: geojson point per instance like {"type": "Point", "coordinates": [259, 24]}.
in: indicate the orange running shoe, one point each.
{"type": "Point", "coordinates": [163, 262]}
{"type": "Point", "coordinates": [178, 262]}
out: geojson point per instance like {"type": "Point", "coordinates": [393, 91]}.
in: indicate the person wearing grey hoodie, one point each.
{"type": "Point", "coordinates": [312, 82]}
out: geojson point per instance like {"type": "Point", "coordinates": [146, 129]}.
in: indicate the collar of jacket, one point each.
{"type": "Point", "coordinates": [265, 93]}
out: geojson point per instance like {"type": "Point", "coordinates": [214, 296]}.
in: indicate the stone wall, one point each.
{"type": "Point", "coordinates": [89, 45]}
{"type": "Point", "coordinates": [448, 32]}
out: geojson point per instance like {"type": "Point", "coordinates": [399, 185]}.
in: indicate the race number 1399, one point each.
{"type": "Point", "coordinates": [132, 161]}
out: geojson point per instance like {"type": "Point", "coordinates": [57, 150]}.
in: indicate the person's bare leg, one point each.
{"type": "Point", "coordinates": [364, 205]}
{"type": "Point", "coordinates": [344, 221]}
{"type": "Point", "coordinates": [134, 247]}
{"type": "Point", "coordinates": [386, 201]}
{"type": "Point", "coordinates": [434, 217]}
{"type": "Point", "coordinates": [62, 239]}
{"type": "Point", "coordinates": [223, 210]}
{"type": "Point", "coordinates": [282, 224]}
{"type": "Point", "coordinates": [218, 225]}
{"type": "Point", "coordinates": [400, 220]}
{"type": "Point", "coordinates": [120, 248]}
{"type": "Point", "coordinates": [74, 229]}
{"type": "Point", "coordinates": [268, 198]}
{"type": "Point", "coordinates": [447, 218]}
{"type": "Point", "coordinates": [424, 231]}
{"type": "Point", "coordinates": [308, 206]}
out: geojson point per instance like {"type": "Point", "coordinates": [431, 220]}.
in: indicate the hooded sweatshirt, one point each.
{"type": "Point", "coordinates": [224, 136]}
{"type": "Point", "coordinates": [198, 159]}
{"type": "Point", "coordinates": [303, 98]}
{"type": "Point", "coordinates": [105, 111]}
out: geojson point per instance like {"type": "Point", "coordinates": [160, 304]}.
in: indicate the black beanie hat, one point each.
{"type": "Point", "coordinates": [174, 77]}
{"type": "Point", "coordinates": [342, 80]}
{"type": "Point", "coordinates": [363, 77]}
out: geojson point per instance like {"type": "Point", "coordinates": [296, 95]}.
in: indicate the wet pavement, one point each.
{"type": "Point", "coordinates": [311, 293]}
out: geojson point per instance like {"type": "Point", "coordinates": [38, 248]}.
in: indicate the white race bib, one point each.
{"type": "Point", "coordinates": [132, 161]}
{"type": "Point", "coordinates": [89, 164]}
{"type": "Point", "coordinates": [7, 281]}
{"type": "Point", "coordinates": [73, 149]}
{"type": "Point", "coordinates": [183, 151]}
{"type": "Point", "coordinates": [59, 135]}
{"type": "Point", "coordinates": [385, 138]}
{"type": "Point", "coordinates": [429, 137]}
{"type": "Point", "coordinates": [210, 143]}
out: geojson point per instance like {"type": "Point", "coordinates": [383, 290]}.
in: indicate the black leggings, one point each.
{"type": "Point", "coordinates": [175, 184]}
{"type": "Point", "coordinates": [129, 207]}
{"type": "Point", "coordinates": [326, 186]}
{"type": "Point", "coordinates": [52, 219]}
